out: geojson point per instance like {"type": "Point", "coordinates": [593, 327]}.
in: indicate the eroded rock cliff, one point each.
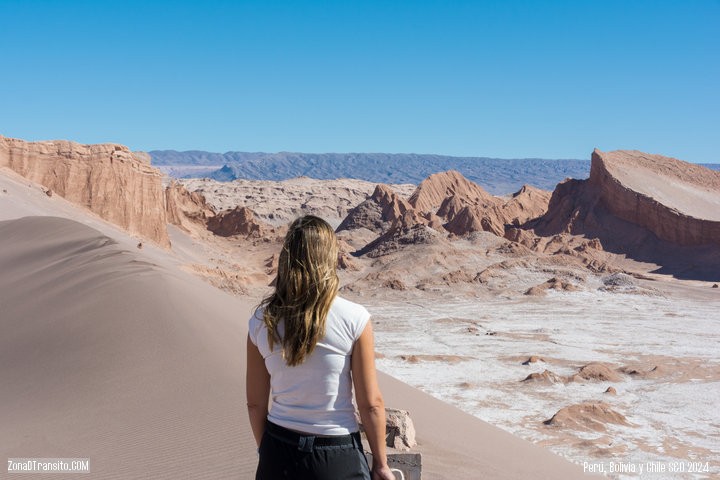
{"type": "Point", "coordinates": [108, 179]}
{"type": "Point", "coordinates": [187, 210]}
{"type": "Point", "coordinates": [677, 201]}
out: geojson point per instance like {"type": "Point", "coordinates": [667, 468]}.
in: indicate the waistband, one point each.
{"type": "Point", "coordinates": [308, 443]}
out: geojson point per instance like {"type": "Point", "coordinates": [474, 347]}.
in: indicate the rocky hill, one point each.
{"type": "Point", "coordinates": [677, 201]}
{"type": "Point", "coordinates": [278, 203]}
{"type": "Point", "coordinates": [649, 208]}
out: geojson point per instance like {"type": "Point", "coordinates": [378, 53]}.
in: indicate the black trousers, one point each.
{"type": "Point", "coordinates": [288, 454]}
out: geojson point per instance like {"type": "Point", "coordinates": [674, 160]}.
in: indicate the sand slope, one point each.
{"type": "Point", "coordinates": [107, 356]}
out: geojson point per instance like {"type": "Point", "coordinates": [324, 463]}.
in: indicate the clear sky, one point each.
{"type": "Point", "coordinates": [509, 79]}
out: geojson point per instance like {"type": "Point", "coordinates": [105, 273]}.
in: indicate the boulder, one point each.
{"type": "Point", "coordinates": [399, 430]}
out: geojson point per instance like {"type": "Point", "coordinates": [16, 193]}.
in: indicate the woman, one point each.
{"type": "Point", "coordinates": [308, 347]}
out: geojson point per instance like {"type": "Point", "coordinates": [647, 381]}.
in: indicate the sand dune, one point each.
{"type": "Point", "coordinates": [110, 356]}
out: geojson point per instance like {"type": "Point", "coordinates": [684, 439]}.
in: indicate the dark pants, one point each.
{"type": "Point", "coordinates": [287, 454]}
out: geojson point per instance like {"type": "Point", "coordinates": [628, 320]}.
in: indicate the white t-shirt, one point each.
{"type": "Point", "coordinates": [315, 396]}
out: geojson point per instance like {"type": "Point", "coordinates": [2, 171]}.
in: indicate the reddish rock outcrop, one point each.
{"type": "Point", "coordinates": [409, 229]}
{"type": "Point", "coordinates": [345, 259]}
{"type": "Point", "coordinates": [533, 359]}
{"type": "Point", "coordinates": [467, 208]}
{"type": "Point", "coordinates": [188, 211]}
{"type": "Point", "coordinates": [647, 208]}
{"type": "Point", "coordinates": [108, 179]}
{"type": "Point", "coordinates": [552, 284]}
{"type": "Point", "coordinates": [432, 192]}
{"type": "Point", "coordinates": [587, 416]}
{"type": "Point", "coordinates": [525, 204]}
{"type": "Point", "coordinates": [476, 219]}
{"type": "Point", "coordinates": [596, 371]}
{"type": "Point", "coordinates": [546, 376]}
{"type": "Point", "coordinates": [377, 212]}
{"type": "Point", "coordinates": [433, 221]}
{"type": "Point", "coordinates": [236, 221]}
{"type": "Point", "coordinates": [678, 201]}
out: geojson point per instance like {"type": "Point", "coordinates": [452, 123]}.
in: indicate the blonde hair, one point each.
{"type": "Point", "coordinates": [306, 286]}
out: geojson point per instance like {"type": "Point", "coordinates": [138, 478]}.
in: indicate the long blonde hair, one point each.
{"type": "Point", "coordinates": [306, 286]}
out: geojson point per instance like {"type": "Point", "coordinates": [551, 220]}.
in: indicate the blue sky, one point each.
{"type": "Point", "coordinates": [507, 79]}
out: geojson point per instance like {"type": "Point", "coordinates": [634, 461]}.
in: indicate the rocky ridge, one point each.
{"type": "Point", "coordinates": [108, 179]}
{"type": "Point", "coordinates": [677, 201]}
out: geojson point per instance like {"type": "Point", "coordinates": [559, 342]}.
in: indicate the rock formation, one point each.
{"type": "Point", "coordinates": [678, 201]}
{"type": "Point", "coordinates": [587, 416]}
{"type": "Point", "coordinates": [632, 197]}
{"type": "Point", "coordinates": [228, 280]}
{"type": "Point", "coordinates": [142, 157]}
{"type": "Point", "coordinates": [409, 229]}
{"type": "Point", "coordinates": [546, 376]}
{"type": "Point", "coordinates": [432, 192]}
{"type": "Point", "coordinates": [525, 204]}
{"type": "Point", "coordinates": [188, 211]}
{"type": "Point", "coordinates": [533, 359]}
{"type": "Point", "coordinates": [108, 179]}
{"type": "Point", "coordinates": [475, 219]}
{"type": "Point", "coordinates": [596, 371]}
{"type": "Point", "coordinates": [467, 208]}
{"type": "Point", "coordinates": [378, 212]}
{"type": "Point", "coordinates": [278, 203]}
{"type": "Point", "coordinates": [399, 428]}
{"type": "Point", "coordinates": [552, 284]}
{"type": "Point", "coordinates": [345, 260]}
{"type": "Point", "coordinates": [236, 221]}
{"type": "Point", "coordinates": [647, 208]}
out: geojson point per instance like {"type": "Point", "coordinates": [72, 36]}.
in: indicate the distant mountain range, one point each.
{"type": "Point", "coordinates": [496, 175]}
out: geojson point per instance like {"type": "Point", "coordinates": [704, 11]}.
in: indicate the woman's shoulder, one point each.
{"type": "Point", "coordinates": [344, 305]}
{"type": "Point", "coordinates": [255, 324]}
{"type": "Point", "coordinates": [354, 315]}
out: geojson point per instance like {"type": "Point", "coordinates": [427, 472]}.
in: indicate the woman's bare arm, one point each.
{"type": "Point", "coordinates": [257, 389]}
{"type": "Point", "coordinates": [370, 401]}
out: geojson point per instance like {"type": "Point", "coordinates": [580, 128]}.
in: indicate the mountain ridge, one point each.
{"type": "Point", "coordinates": [496, 175]}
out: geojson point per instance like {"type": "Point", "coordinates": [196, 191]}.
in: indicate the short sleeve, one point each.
{"type": "Point", "coordinates": [361, 321]}
{"type": "Point", "coordinates": [254, 325]}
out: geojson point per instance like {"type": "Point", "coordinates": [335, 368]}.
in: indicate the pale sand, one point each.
{"type": "Point", "coordinates": [113, 353]}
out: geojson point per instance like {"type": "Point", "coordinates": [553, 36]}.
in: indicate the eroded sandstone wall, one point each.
{"type": "Point", "coordinates": [107, 178]}
{"type": "Point", "coordinates": [665, 222]}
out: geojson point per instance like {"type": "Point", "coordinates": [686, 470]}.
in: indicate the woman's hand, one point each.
{"type": "Point", "coordinates": [382, 473]}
